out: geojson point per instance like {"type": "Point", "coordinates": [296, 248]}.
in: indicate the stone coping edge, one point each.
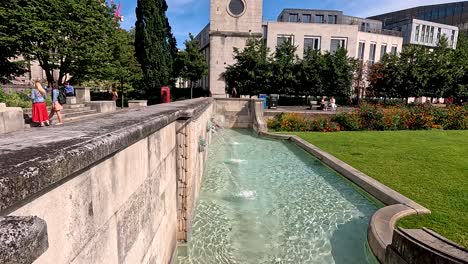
{"type": "Point", "coordinates": [22, 239]}
{"type": "Point", "coordinates": [382, 223]}
{"type": "Point", "coordinates": [24, 177]}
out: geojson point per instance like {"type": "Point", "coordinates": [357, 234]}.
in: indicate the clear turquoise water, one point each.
{"type": "Point", "coordinates": [265, 201]}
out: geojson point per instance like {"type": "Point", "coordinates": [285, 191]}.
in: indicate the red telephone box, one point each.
{"type": "Point", "coordinates": [165, 95]}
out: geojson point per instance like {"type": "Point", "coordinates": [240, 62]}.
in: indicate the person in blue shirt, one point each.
{"type": "Point", "coordinates": [69, 90]}
{"type": "Point", "coordinates": [39, 108]}
{"type": "Point", "coordinates": [56, 106]}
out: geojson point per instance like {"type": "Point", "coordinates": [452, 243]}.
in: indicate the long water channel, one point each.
{"type": "Point", "coordinates": [268, 201]}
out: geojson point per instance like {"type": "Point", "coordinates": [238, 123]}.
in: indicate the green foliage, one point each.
{"type": "Point", "coordinates": [155, 46]}
{"type": "Point", "coordinates": [419, 71]}
{"type": "Point", "coordinates": [257, 71]}
{"type": "Point", "coordinates": [190, 64]}
{"type": "Point", "coordinates": [251, 74]}
{"type": "Point", "coordinates": [69, 36]}
{"type": "Point", "coordinates": [338, 73]}
{"type": "Point", "coordinates": [291, 122]}
{"type": "Point", "coordinates": [284, 69]}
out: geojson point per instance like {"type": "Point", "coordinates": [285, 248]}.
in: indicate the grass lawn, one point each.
{"type": "Point", "coordinates": [429, 167]}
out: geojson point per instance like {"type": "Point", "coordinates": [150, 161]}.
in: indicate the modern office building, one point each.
{"type": "Point", "coordinates": [455, 14]}
{"type": "Point", "coordinates": [426, 33]}
{"type": "Point", "coordinates": [233, 22]}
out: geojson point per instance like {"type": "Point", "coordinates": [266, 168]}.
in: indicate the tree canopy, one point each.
{"type": "Point", "coordinates": [191, 65]}
{"type": "Point", "coordinates": [155, 46]}
{"type": "Point", "coordinates": [70, 36]}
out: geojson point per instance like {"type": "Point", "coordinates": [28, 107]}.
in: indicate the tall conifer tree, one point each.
{"type": "Point", "coordinates": [155, 46]}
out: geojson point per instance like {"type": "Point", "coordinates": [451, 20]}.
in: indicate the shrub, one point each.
{"type": "Point", "coordinates": [292, 122]}
{"type": "Point", "coordinates": [348, 121]}
{"type": "Point", "coordinates": [371, 117]}
{"type": "Point", "coordinates": [19, 99]}
{"type": "Point", "coordinates": [456, 118]}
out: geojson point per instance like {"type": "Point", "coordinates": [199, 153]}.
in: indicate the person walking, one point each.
{"type": "Point", "coordinates": [56, 106]}
{"type": "Point", "coordinates": [39, 108]}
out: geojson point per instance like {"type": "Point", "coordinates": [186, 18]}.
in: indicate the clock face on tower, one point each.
{"type": "Point", "coordinates": [236, 8]}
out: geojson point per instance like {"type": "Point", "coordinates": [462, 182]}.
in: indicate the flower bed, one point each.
{"type": "Point", "coordinates": [375, 117]}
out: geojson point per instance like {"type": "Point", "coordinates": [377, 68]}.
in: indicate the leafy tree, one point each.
{"type": "Point", "coordinates": [191, 64]}
{"type": "Point", "coordinates": [413, 63]}
{"type": "Point", "coordinates": [70, 36]}
{"type": "Point", "coordinates": [284, 69]}
{"type": "Point", "coordinates": [155, 46]}
{"type": "Point", "coordinates": [459, 71]}
{"type": "Point", "coordinates": [440, 68]}
{"type": "Point", "coordinates": [251, 73]}
{"type": "Point", "coordinates": [310, 71]}
{"type": "Point", "coordinates": [385, 77]}
{"type": "Point", "coordinates": [338, 73]}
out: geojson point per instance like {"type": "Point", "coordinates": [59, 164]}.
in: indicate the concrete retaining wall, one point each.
{"type": "Point", "coordinates": [110, 195]}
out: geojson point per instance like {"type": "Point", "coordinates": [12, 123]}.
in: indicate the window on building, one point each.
{"type": "Point", "coordinates": [362, 47]}
{"type": "Point", "coordinates": [293, 17]}
{"type": "Point", "coordinates": [331, 19]}
{"type": "Point", "coordinates": [394, 50]}
{"type": "Point", "coordinates": [431, 38]}
{"type": "Point", "coordinates": [337, 43]}
{"type": "Point", "coordinates": [428, 32]}
{"type": "Point", "coordinates": [284, 38]}
{"type": "Point", "coordinates": [319, 19]}
{"type": "Point", "coordinates": [237, 7]}
{"type": "Point", "coordinates": [452, 38]}
{"type": "Point", "coordinates": [365, 27]}
{"type": "Point", "coordinates": [372, 49]}
{"type": "Point", "coordinates": [306, 18]}
{"type": "Point", "coordinates": [311, 43]}
{"type": "Point", "coordinates": [439, 33]}
{"type": "Point", "coordinates": [416, 34]}
{"type": "Point", "coordinates": [383, 50]}
{"type": "Point", "coordinates": [423, 33]}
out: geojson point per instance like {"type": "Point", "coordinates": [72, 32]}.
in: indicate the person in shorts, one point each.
{"type": "Point", "coordinates": [56, 106]}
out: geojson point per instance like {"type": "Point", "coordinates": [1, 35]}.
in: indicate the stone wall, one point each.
{"type": "Point", "coordinates": [108, 188]}
{"type": "Point", "coordinates": [11, 119]}
{"type": "Point", "coordinates": [234, 113]}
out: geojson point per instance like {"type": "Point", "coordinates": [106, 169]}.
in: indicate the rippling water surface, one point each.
{"type": "Point", "coordinates": [265, 201]}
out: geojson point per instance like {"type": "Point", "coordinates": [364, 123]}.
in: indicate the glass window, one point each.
{"type": "Point", "coordinates": [428, 29]}
{"type": "Point", "coordinates": [362, 47]}
{"type": "Point", "coordinates": [337, 43]}
{"type": "Point", "coordinates": [331, 19]}
{"type": "Point", "coordinates": [439, 33]}
{"type": "Point", "coordinates": [306, 18]}
{"type": "Point", "coordinates": [236, 7]}
{"type": "Point", "coordinates": [416, 34]}
{"type": "Point", "coordinates": [293, 17]}
{"type": "Point", "coordinates": [423, 33]}
{"type": "Point", "coordinates": [383, 50]}
{"type": "Point", "coordinates": [431, 39]}
{"type": "Point", "coordinates": [452, 38]}
{"type": "Point", "coordinates": [311, 43]}
{"type": "Point", "coordinates": [284, 38]}
{"type": "Point", "coordinates": [394, 50]}
{"type": "Point", "coordinates": [319, 19]}
{"type": "Point", "coordinates": [372, 53]}
{"type": "Point", "coordinates": [365, 27]}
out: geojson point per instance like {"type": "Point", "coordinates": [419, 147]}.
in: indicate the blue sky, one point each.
{"type": "Point", "coordinates": [192, 15]}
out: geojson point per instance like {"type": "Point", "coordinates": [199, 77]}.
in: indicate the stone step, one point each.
{"type": "Point", "coordinates": [28, 111]}
{"type": "Point", "coordinates": [80, 113]}
{"type": "Point", "coordinates": [72, 106]}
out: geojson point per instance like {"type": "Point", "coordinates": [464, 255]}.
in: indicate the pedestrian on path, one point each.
{"type": "Point", "coordinates": [56, 106]}
{"type": "Point", "coordinates": [39, 108]}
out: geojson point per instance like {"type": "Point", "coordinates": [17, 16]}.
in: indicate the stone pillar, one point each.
{"type": "Point", "coordinates": [11, 119]}
{"type": "Point", "coordinates": [102, 106]}
{"type": "Point", "coordinates": [83, 95]}
{"type": "Point", "coordinates": [137, 103]}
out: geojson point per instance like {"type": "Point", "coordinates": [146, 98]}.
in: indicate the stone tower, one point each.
{"type": "Point", "coordinates": [232, 22]}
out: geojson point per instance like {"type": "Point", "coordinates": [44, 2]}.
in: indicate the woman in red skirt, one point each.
{"type": "Point", "coordinates": [39, 108]}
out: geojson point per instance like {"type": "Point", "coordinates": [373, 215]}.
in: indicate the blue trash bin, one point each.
{"type": "Point", "coordinates": [264, 98]}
